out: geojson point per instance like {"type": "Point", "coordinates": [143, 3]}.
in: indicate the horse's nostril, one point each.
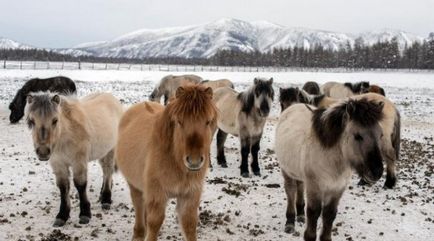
{"type": "Point", "coordinates": [189, 160]}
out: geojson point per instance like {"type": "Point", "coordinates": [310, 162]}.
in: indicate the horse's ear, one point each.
{"type": "Point", "coordinates": [256, 81]}
{"type": "Point", "coordinates": [29, 99]}
{"type": "Point", "coordinates": [271, 80]}
{"type": "Point", "coordinates": [55, 99]}
{"type": "Point", "coordinates": [208, 91]}
{"type": "Point", "coordinates": [180, 91]}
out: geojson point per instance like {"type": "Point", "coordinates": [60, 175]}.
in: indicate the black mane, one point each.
{"type": "Point", "coordinates": [247, 97]}
{"type": "Point", "coordinates": [357, 88]}
{"type": "Point", "coordinates": [329, 124]}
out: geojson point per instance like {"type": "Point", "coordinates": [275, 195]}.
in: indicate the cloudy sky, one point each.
{"type": "Point", "coordinates": [65, 23]}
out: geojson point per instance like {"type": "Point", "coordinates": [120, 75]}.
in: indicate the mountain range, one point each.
{"type": "Point", "coordinates": [205, 40]}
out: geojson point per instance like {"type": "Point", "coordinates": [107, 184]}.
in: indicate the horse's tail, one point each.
{"type": "Point", "coordinates": [396, 134]}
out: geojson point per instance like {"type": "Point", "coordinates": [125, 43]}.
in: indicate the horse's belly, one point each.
{"type": "Point", "coordinates": [230, 127]}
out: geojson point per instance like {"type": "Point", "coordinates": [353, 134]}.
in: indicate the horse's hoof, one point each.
{"type": "Point", "coordinates": [257, 173]}
{"type": "Point", "coordinates": [106, 206]}
{"type": "Point", "coordinates": [84, 219]}
{"type": "Point", "coordinates": [289, 228]}
{"type": "Point", "coordinates": [362, 182]}
{"type": "Point", "coordinates": [390, 183]}
{"type": "Point", "coordinates": [59, 222]}
{"type": "Point", "coordinates": [245, 174]}
{"type": "Point", "coordinates": [224, 165]}
{"type": "Point", "coordinates": [301, 218]}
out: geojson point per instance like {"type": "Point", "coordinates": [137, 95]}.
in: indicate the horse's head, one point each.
{"type": "Point", "coordinates": [155, 96]}
{"type": "Point", "coordinates": [264, 95]}
{"type": "Point", "coordinates": [289, 96]}
{"type": "Point", "coordinates": [194, 117]}
{"type": "Point", "coordinates": [361, 139]}
{"type": "Point", "coordinates": [42, 113]}
{"type": "Point", "coordinates": [17, 108]}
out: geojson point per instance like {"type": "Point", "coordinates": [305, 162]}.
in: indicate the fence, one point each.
{"type": "Point", "coordinates": [42, 65]}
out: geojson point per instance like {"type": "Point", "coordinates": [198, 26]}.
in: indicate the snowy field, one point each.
{"type": "Point", "coordinates": [232, 208]}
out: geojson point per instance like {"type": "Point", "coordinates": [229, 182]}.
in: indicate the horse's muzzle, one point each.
{"type": "Point", "coordinates": [43, 153]}
{"type": "Point", "coordinates": [194, 164]}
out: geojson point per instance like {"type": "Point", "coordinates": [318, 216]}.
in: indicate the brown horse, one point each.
{"type": "Point", "coordinates": [164, 153]}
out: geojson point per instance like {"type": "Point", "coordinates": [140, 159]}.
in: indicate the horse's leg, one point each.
{"type": "Point", "coordinates": [79, 170]}
{"type": "Point", "coordinates": [255, 149]}
{"type": "Point", "coordinates": [329, 214]}
{"type": "Point", "coordinates": [62, 180]}
{"type": "Point", "coordinates": [155, 207]}
{"type": "Point", "coordinates": [139, 225]}
{"type": "Point", "coordinates": [313, 211]}
{"type": "Point", "coordinates": [390, 175]}
{"type": "Point", "coordinates": [107, 164]}
{"type": "Point", "coordinates": [300, 201]}
{"type": "Point", "coordinates": [187, 208]}
{"type": "Point", "coordinates": [245, 150]}
{"type": "Point", "coordinates": [221, 139]}
{"type": "Point", "coordinates": [291, 191]}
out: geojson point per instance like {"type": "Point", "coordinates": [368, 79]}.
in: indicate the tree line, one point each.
{"type": "Point", "coordinates": [383, 55]}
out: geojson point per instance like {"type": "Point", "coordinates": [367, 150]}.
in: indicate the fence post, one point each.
{"type": "Point", "coordinates": [4, 64]}
{"type": "Point", "coordinates": [79, 65]}
{"type": "Point", "coordinates": [21, 64]}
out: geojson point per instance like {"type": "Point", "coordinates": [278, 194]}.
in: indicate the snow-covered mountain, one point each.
{"type": "Point", "coordinates": [205, 40]}
{"type": "Point", "coordinates": [11, 44]}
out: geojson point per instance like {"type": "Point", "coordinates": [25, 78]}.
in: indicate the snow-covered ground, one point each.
{"type": "Point", "coordinates": [232, 208]}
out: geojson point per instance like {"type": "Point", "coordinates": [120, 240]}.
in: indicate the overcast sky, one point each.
{"type": "Point", "coordinates": [65, 23]}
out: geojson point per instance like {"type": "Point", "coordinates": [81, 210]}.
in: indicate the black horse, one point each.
{"type": "Point", "coordinates": [58, 84]}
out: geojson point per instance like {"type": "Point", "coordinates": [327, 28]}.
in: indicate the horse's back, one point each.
{"type": "Point", "coordinates": [135, 130]}
{"type": "Point", "coordinates": [292, 143]}
{"type": "Point", "coordinates": [226, 101]}
{"type": "Point", "coordinates": [103, 113]}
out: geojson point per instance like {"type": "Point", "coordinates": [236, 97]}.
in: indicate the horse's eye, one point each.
{"type": "Point", "coordinates": [54, 122]}
{"type": "Point", "coordinates": [180, 123]}
{"type": "Point", "coordinates": [358, 137]}
{"type": "Point", "coordinates": [208, 122]}
{"type": "Point", "coordinates": [30, 123]}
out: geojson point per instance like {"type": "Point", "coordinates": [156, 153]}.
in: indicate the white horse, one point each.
{"type": "Point", "coordinates": [69, 133]}
{"type": "Point", "coordinates": [341, 91]}
{"type": "Point", "coordinates": [318, 148]}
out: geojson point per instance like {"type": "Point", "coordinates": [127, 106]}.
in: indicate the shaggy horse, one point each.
{"type": "Point", "coordinates": [291, 95]}
{"type": "Point", "coordinates": [377, 89]}
{"type": "Point", "coordinates": [341, 91]}
{"type": "Point", "coordinates": [215, 84]}
{"type": "Point", "coordinates": [164, 153]}
{"type": "Point", "coordinates": [69, 133]}
{"type": "Point", "coordinates": [312, 88]}
{"type": "Point", "coordinates": [243, 115]}
{"type": "Point", "coordinates": [321, 155]}
{"type": "Point", "coordinates": [168, 85]}
{"type": "Point", "coordinates": [59, 84]}
{"type": "Point", "coordinates": [390, 124]}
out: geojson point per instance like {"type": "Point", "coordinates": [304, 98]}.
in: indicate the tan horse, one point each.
{"type": "Point", "coordinates": [215, 84]}
{"type": "Point", "coordinates": [164, 153]}
{"type": "Point", "coordinates": [69, 133]}
{"type": "Point", "coordinates": [341, 91]}
{"type": "Point", "coordinates": [168, 85]}
{"type": "Point", "coordinates": [377, 89]}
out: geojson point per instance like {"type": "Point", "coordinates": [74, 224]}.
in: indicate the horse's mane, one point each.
{"type": "Point", "coordinates": [193, 103]}
{"type": "Point", "coordinates": [247, 97]}
{"type": "Point", "coordinates": [329, 124]}
{"type": "Point", "coordinates": [316, 100]}
{"type": "Point", "coordinates": [356, 87]}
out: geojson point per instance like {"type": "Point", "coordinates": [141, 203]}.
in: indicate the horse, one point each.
{"type": "Point", "coordinates": [312, 88]}
{"type": "Point", "coordinates": [68, 133]}
{"type": "Point", "coordinates": [163, 152]}
{"type": "Point", "coordinates": [168, 85]}
{"type": "Point", "coordinates": [390, 124]}
{"type": "Point", "coordinates": [215, 84]}
{"type": "Point", "coordinates": [59, 84]}
{"type": "Point", "coordinates": [318, 157]}
{"type": "Point", "coordinates": [376, 89]}
{"type": "Point", "coordinates": [243, 115]}
{"type": "Point", "coordinates": [341, 91]}
{"type": "Point", "coordinates": [292, 95]}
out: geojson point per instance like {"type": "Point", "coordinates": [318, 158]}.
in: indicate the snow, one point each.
{"type": "Point", "coordinates": [11, 44]}
{"type": "Point", "coordinates": [29, 198]}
